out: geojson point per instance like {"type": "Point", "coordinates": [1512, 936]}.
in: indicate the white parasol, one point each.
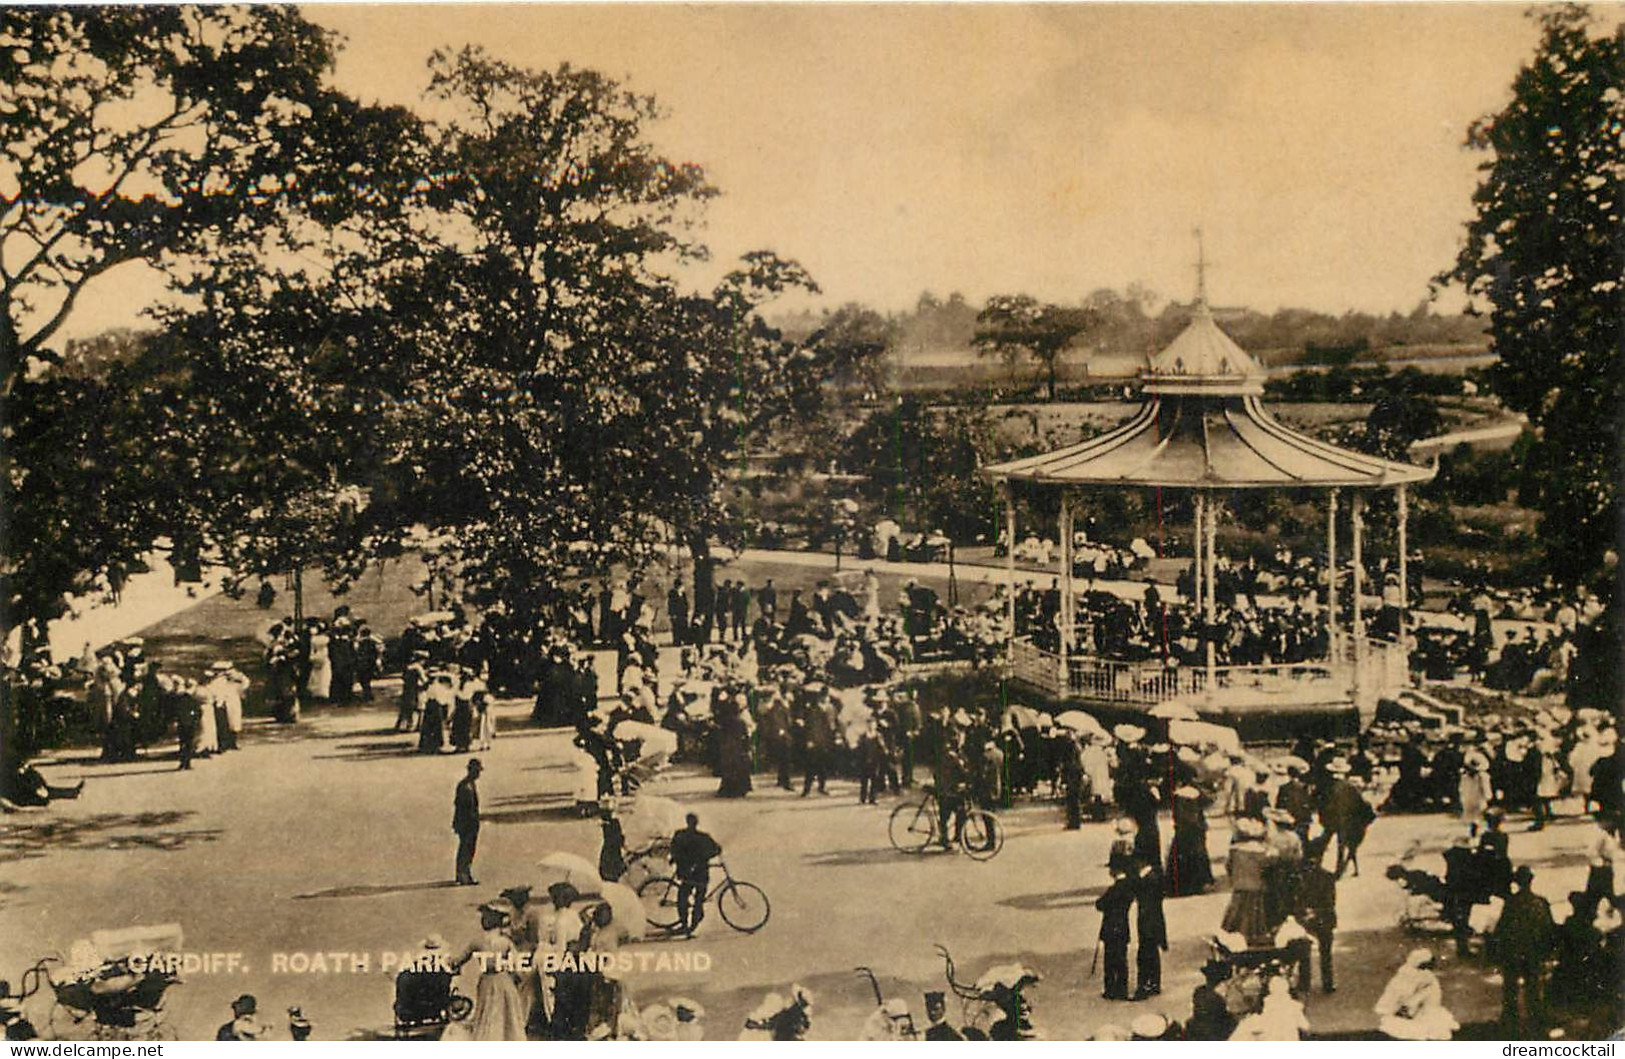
{"type": "Point", "coordinates": [657, 741]}
{"type": "Point", "coordinates": [1205, 733]}
{"type": "Point", "coordinates": [1079, 721]}
{"type": "Point", "coordinates": [650, 817]}
{"type": "Point", "coordinates": [570, 868]}
{"type": "Point", "coordinates": [1020, 717]}
{"type": "Point", "coordinates": [1008, 975]}
{"type": "Point", "coordinates": [629, 921]}
{"type": "Point", "coordinates": [1174, 711]}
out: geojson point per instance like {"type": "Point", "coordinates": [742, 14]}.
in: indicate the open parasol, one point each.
{"type": "Point", "coordinates": [657, 741]}
{"type": "Point", "coordinates": [629, 921]}
{"type": "Point", "coordinates": [1205, 733]}
{"type": "Point", "coordinates": [559, 866]}
{"type": "Point", "coordinates": [1006, 975]}
{"type": "Point", "coordinates": [1020, 717]}
{"type": "Point", "coordinates": [1174, 711]}
{"type": "Point", "coordinates": [649, 817]}
{"type": "Point", "coordinates": [1079, 721]}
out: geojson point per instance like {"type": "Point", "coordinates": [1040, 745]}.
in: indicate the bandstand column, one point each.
{"type": "Point", "coordinates": [1065, 629]}
{"type": "Point", "coordinates": [1196, 543]}
{"type": "Point", "coordinates": [1403, 499]}
{"type": "Point", "coordinates": [1357, 516]}
{"type": "Point", "coordinates": [1212, 513]}
{"type": "Point", "coordinates": [1356, 586]}
{"type": "Point", "coordinates": [1331, 573]}
{"type": "Point", "coordinates": [1009, 568]}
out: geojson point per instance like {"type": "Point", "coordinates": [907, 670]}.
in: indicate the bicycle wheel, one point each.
{"type": "Point", "coordinates": [659, 897]}
{"type": "Point", "coordinates": [743, 906]}
{"type": "Point", "coordinates": [982, 837]}
{"type": "Point", "coordinates": [912, 827]}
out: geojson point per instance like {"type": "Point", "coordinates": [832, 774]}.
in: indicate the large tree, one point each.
{"type": "Point", "coordinates": [167, 136]}
{"type": "Point", "coordinates": [497, 353]}
{"type": "Point", "coordinates": [1013, 325]}
{"type": "Point", "coordinates": [1545, 252]}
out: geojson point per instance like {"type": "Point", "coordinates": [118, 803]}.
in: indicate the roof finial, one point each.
{"type": "Point", "coordinates": [1201, 270]}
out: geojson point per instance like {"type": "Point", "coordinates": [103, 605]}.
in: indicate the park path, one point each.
{"type": "Point", "coordinates": [334, 838]}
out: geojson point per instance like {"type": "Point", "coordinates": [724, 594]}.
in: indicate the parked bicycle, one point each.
{"type": "Point", "coordinates": [916, 826]}
{"type": "Point", "coordinates": [742, 905]}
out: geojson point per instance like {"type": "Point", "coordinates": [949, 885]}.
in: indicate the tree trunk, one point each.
{"type": "Point", "coordinates": [953, 581]}
{"type": "Point", "coordinates": [301, 640]}
{"type": "Point", "coordinates": [705, 581]}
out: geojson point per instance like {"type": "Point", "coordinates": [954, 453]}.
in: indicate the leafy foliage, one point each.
{"type": "Point", "coordinates": [1011, 326]}
{"type": "Point", "coordinates": [1543, 251]}
{"type": "Point", "coordinates": [170, 136]}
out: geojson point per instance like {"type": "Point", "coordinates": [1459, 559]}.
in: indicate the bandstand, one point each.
{"type": "Point", "coordinates": [1202, 427]}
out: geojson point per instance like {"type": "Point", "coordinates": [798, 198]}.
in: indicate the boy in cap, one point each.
{"type": "Point", "coordinates": [244, 1024]}
{"type": "Point", "coordinates": [1114, 905]}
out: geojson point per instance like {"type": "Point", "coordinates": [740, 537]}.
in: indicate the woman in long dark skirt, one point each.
{"type": "Point", "coordinates": [1189, 869]}
{"type": "Point", "coordinates": [462, 724]}
{"type": "Point", "coordinates": [733, 748]}
{"type": "Point", "coordinates": [431, 737]}
{"type": "Point", "coordinates": [1245, 914]}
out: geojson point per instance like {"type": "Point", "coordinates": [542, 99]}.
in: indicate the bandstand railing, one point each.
{"type": "Point", "coordinates": [1358, 671]}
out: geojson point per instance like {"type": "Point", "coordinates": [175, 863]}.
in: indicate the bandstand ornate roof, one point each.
{"type": "Point", "coordinates": [1203, 425]}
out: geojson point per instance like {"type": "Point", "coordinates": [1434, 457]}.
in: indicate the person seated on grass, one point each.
{"type": "Point", "coordinates": [22, 786]}
{"type": "Point", "coordinates": [1411, 1007]}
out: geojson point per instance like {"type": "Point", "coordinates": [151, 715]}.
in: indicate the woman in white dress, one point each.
{"type": "Point", "coordinates": [1474, 786]}
{"type": "Point", "coordinates": [321, 665]}
{"type": "Point", "coordinates": [560, 925]}
{"type": "Point", "coordinates": [1280, 1019]}
{"type": "Point", "coordinates": [485, 720]}
{"type": "Point", "coordinates": [1412, 1007]}
{"type": "Point", "coordinates": [499, 1010]}
{"type": "Point", "coordinates": [871, 596]}
{"type": "Point", "coordinates": [207, 739]}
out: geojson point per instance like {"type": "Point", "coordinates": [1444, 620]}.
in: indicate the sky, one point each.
{"type": "Point", "coordinates": [1041, 149]}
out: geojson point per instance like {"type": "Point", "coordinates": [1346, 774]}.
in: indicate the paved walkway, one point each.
{"type": "Point", "coordinates": [333, 839]}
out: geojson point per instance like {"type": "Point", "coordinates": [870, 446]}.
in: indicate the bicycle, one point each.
{"type": "Point", "coordinates": [743, 905]}
{"type": "Point", "coordinates": [646, 863]}
{"type": "Point", "coordinates": [914, 826]}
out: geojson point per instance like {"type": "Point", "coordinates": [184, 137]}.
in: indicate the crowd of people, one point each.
{"type": "Point", "coordinates": [321, 660]}
{"type": "Point", "coordinates": [811, 689]}
{"type": "Point", "coordinates": [136, 703]}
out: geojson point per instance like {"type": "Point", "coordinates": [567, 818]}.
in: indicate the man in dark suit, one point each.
{"type": "Point", "coordinates": [465, 820]}
{"type": "Point", "coordinates": [740, 610]}
{"type": "Point", "coordinates": [692, 852]}
{"type": "Point", "coordinates": [369, 658]}
{"type": "Point", "coordinates": [1297, 799]}
{"type": "Point", "coordinates": [724, 608]}
{"type": "Point", "coordinates": [1152, 928]}
{"type": "Point", "coordinates": [1317, 911]}
{"type": "Point", "coordinates": [1114, 932]}
{"type": "Point", "coordinates": [677, 613]}
{"type": "Point", "coordinates": [1523, 939]}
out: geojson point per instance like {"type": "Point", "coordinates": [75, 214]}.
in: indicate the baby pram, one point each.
{"type": "Point", "coordinates": [1252, 968]}
{"type": "Point", "coordinates": [425, 1002]}
{"type": "Point", "coordinates": [114, 989]}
